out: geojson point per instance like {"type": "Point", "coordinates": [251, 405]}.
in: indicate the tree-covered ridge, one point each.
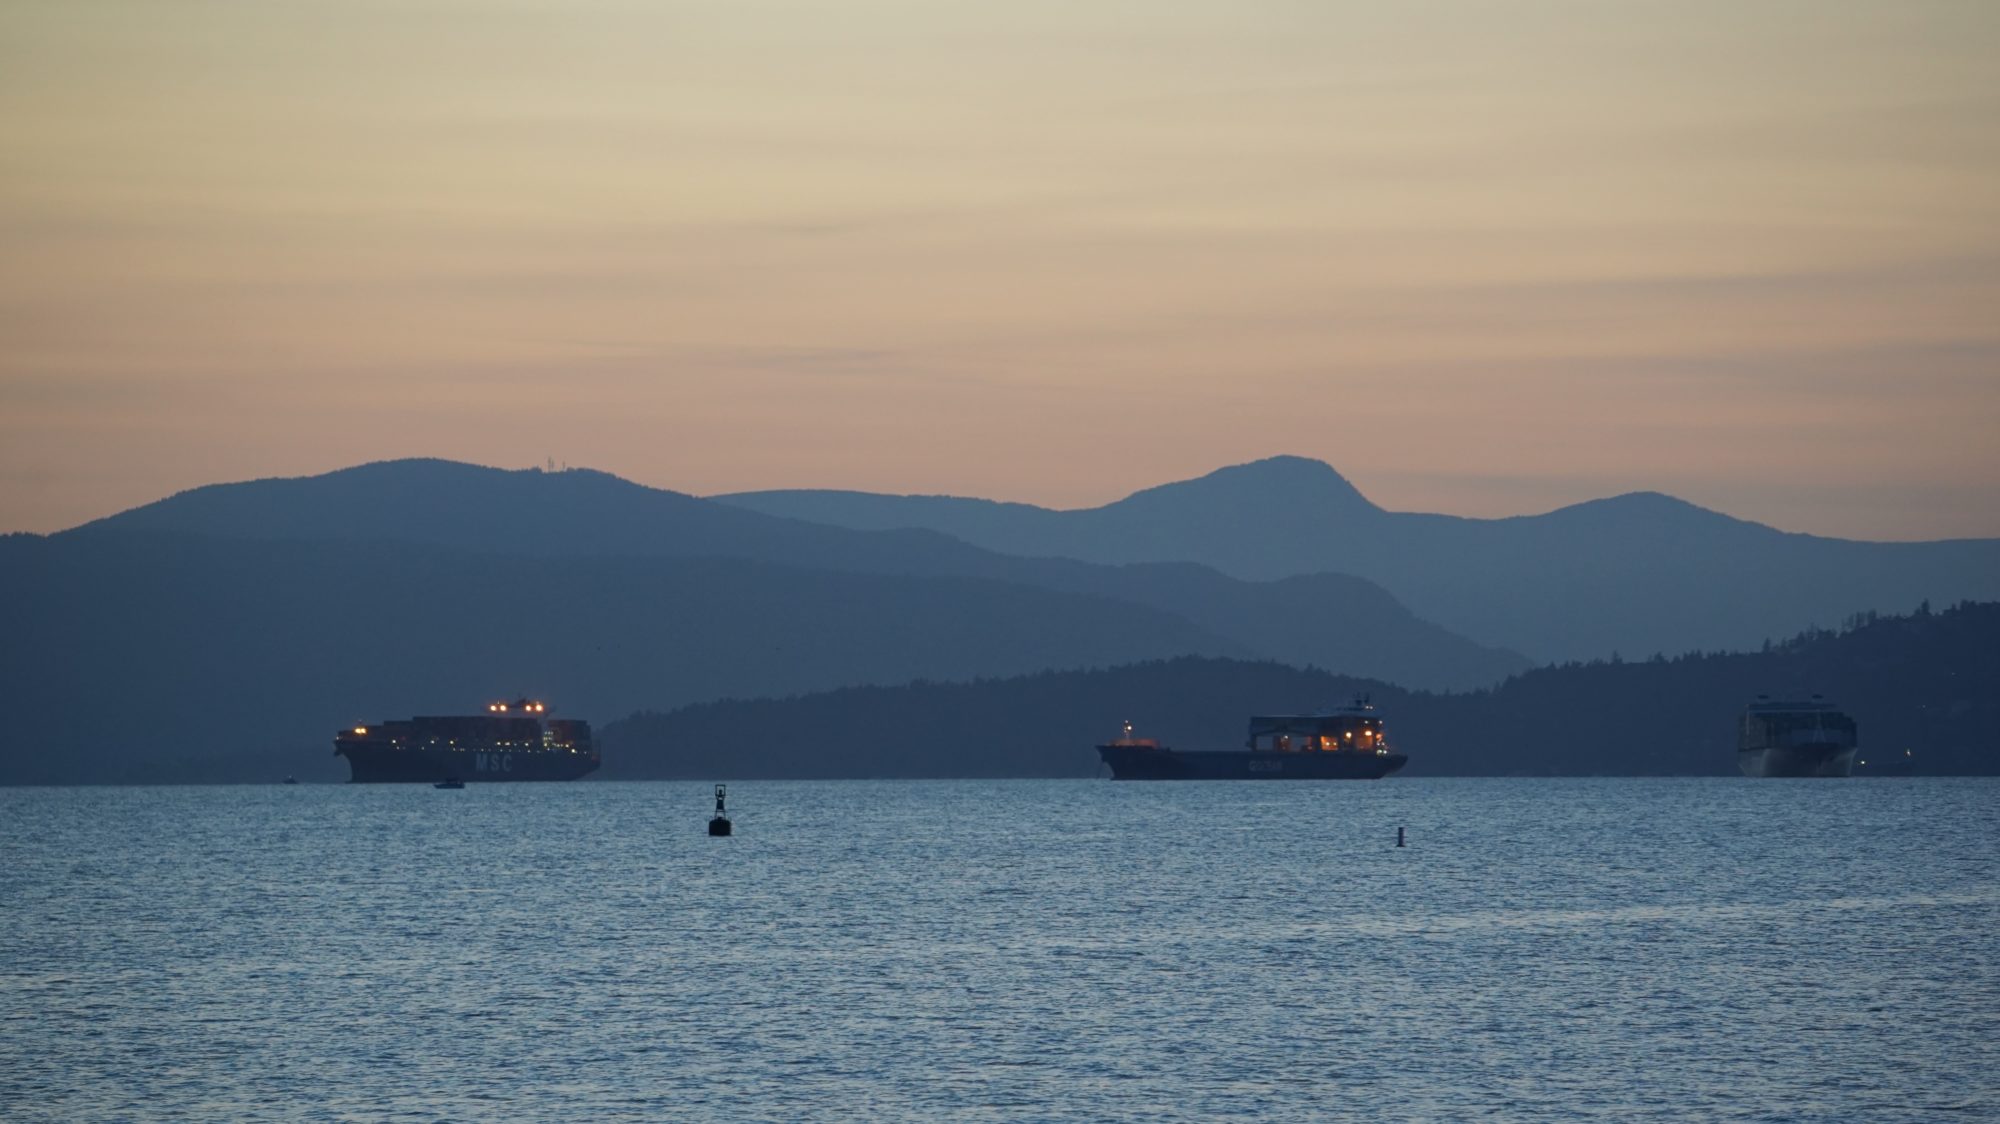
{"type": "Point", "coordinates": [1928, 681]}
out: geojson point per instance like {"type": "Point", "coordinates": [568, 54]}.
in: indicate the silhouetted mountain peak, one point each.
{"type": "Point", "coordinates": [434, 471]}
{"type": "Point", "coordinates": [1650, 509]}
{"type": "Point", "coordinates": [424, 498]}
{"type": "Point", "coordinates": [1280, 483]}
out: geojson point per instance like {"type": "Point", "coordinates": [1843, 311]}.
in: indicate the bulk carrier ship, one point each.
{"type": "Point", "coordinates": [1347, 743]}
{"type": "Point", "coordinates": [511, 742]}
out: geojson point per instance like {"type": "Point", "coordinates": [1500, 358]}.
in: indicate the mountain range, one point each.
{"type": "Point", "coordinates": [188, 636]}
{"type": "Point", "coordinates": [210, 633]}
{"type": "Point", "coordinates": [1634, 574]}
{"type": "Point", "coordinates": [1328, 620]}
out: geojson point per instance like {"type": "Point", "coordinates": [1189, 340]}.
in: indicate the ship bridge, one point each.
{"type": "Point", "coordinates": [1347, 729]}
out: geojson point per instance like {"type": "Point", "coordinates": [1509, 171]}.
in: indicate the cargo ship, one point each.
{"type": "Point", "coordinates": [512, 741]}
{"type": "Point", "coordinates": [1347, 743]}
{"type": "Point", "coordinates": [1795, 739]}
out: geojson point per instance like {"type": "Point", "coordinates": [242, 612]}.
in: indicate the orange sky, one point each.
{"type": "Point", "coordinates": [1484, 258]}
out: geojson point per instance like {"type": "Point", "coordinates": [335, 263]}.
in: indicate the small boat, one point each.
{"type": "Point", "coordinates": [291, 780]}
{"type": "Point", "coordinates": [449, 782]}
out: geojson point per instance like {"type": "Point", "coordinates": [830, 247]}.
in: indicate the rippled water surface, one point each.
{"type": "Point", "coordinates": [1614, 949]}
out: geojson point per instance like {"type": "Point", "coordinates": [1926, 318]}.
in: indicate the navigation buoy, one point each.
{"type": "Point", "coordinates": [719, 823]}
{"type": "Point", "coordinates": [1399, 837]}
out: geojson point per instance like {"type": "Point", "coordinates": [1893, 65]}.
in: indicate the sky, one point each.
{"type": "Point", "coordinates": [1483, 257]}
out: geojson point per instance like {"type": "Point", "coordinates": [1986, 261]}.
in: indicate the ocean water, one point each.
{"type": "Point", "coordinates": [1702, 949]}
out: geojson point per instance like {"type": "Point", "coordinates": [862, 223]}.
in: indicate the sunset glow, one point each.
{"type": "Point", "coordinates": [1484, 259]}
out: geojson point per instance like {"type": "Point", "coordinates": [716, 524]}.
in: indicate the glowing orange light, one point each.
{"type": "Point", "coordinates": [361, 729]}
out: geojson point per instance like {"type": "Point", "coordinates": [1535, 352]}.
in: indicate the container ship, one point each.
{"type": "Point", "coordinates": [512, 741]}
{"type": "Point", "coordinates": [1795, 739]}
{"type": "Point", "coordinates": [1343, 744]}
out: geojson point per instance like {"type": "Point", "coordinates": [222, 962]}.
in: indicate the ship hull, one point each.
{"type": "Point", "coordinates": [1135, 763]}
{"type": "Point", "coordinates": [383, 765]}
{"type": "Point", "coordinates": [1798, 761]}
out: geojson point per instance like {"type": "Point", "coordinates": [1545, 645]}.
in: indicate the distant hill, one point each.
{"type": "Point", "coordinates": [1926, 682]}
{"type": "Point", "coordinates": [529, 512]}
{"type": "Point", "coordinates": [1635, 574]}
{"type": "Point", "coordinates": [1335, 622]}
{"type": "Point", "coordinates": [154, 656]}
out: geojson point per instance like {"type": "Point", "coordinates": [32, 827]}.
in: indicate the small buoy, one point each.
{"type": "Point", "coordinates": [1399, 837]}
{"type": "Point", "coordinates": [719, 823]}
